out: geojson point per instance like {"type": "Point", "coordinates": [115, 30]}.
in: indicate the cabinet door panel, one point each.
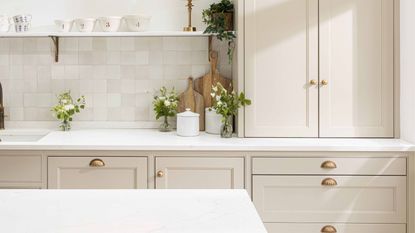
{"type": "Point", "coordinates": [281, 57]}
{"type": "Point", "coordinates": [356, 58]}
{"type": "Point", "coordinates": [341, 228]}
{"type": "Point", "coordinates": [200, 173]}
{"type": "Point", "coordinates": [76, 173]}
{"type": "Point", "coordinates": [360, 199]}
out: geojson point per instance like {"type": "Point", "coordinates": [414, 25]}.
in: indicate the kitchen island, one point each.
{"type": "Point", "coordinates": [128, 211]}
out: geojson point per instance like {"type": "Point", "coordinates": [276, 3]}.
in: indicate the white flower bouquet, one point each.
{"type": "Point", "coordinates": [67, 108]}
{"type": "Point", "coordinates": [165, 105]}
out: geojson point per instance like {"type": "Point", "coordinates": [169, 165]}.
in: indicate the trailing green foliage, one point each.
{"type": "Point", "coordinates": [214, 18]}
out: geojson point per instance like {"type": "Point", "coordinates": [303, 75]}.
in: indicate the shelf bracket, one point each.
{"type": "Point", "coordinates": [55, 40]}
{"type": "Point", "coordinates": [210, 46]}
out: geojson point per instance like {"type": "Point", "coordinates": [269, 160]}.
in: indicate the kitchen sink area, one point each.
{"type": "Point", "coordinates": [21, 136]}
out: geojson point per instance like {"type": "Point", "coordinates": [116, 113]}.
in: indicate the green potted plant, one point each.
{"type": "Point", "coordinates": [226, 103]}
{"type": "Point", "coordinates": [219, 20]}
{"type": "Point", "coordinates": [165, 105]}
{"type": "Point", "coordinates": [67, 108]}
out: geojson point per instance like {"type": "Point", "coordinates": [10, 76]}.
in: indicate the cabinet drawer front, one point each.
{"type": "Point", "coordinates": [20, 169]}
{"type": "Point", "coordinates": [200, 173]}
{"type": "Point", "coordinates": [324, 166]}
{"type": "Point", "coordinates": [340, 228]}
{"type": "Point", "coordinates": [362, 199]}
{"type": "Point", "coordinates": [91, 173]}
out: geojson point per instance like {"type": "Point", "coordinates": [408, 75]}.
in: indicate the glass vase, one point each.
{"type": "Point", "coordinates": [65, 126]}
{"type": "Point", "coordinates": [226, 129]}
{"type": "Point", "coordinates": [165, 126]}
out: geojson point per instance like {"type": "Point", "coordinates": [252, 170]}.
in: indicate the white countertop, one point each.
{"type": "Point", "coordinates": [128, 211]}
{"type": "Point", "coordinates": [153, 140]}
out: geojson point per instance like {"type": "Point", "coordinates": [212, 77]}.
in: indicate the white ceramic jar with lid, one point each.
{"type": "Point", "coordinates": [188, 124]}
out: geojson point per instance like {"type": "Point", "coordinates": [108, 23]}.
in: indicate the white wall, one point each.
{"type": "Point", "coordinates": [167, 14]}
{"type": "Point", "coordinates": [408, 70]}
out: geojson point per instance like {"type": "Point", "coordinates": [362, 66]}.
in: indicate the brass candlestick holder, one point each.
{"type": "Point", "coordinates": [189, 27]}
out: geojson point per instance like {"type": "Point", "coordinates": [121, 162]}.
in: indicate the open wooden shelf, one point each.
{"type": "Point", "coordinates": [104, 34]}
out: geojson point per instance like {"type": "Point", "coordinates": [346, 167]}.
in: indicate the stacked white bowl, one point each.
{"type": "Point", "coordinates": [5, 23]}
{"type": "Point", "coordinates": [22, 22]}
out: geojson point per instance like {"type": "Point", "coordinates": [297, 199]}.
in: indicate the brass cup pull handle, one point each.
{"type": "Point", "coordinates": [328, 229]}
{"type": "Point", "coordinates": [313, 82]}
{"type": "Point", "coordinates": [160, 174]}
{"type": "Point", "coordinates": [324, 82]}
{"type": "Point", "coordinates": [97, 163]}
{"type": "Point", "coordinates": [329, 165]}
{"type": "Point", "coordinates": [329, 182]}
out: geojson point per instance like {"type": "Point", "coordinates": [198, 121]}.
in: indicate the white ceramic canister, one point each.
{"type": "Point", "coordinates": [85, 24]}
{"type": "Point", "coordinates": [110, 24]}
{"type": "Point", "coordinates": [213, 122]}
{"type": "Point", "coordinates": [64, 25]}
{"type": "Point", "coordinates": [188, 124]}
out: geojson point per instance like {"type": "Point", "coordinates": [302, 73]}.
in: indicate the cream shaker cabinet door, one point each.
{"type": "Point", "coordinates": [340, 199]}
{"type": "Point", "coordinates": [97, 173]}
{"type": "Point", "coordinates": [356, 68]}
{"type": "Point", "coordinates": [333, 228]}
{"type": "Point", "coordinates": [281, 68]}
{"type": "Point", "coordinates": [199, 173]}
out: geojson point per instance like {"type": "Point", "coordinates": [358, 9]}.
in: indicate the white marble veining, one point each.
{"type": "Point", "coordinates": [146, 139]}
{"type": "Point", "coordinates": [128, 211]}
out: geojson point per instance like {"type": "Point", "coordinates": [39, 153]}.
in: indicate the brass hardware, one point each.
{"type": "Point", "coordinates": [328, 229]}
{"type": "Point", "coordinates": [97, 163]}
{"type": "Point", "coordinates": [328, 165]}
{"type": "Point", "coordinates": [324, 82]}
{"type": "Point", "coordinates": [329, 182]}
{"type": "Point", "coordinates": [189, 27]}
{"type": "Point", "coordinates": [313, 82]}
{"type": "Point", "coordinates": [55, 40]}
{"type": "Point", "coordinates": [160, 174]}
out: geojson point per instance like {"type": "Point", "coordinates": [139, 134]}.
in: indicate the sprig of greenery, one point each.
{"type": "Point", "coordinates": [67, 107]}
{"type": "Point", "coordinates": [227, 103]}
{"type": "Point", "coordinates": [165, 105]}
{"type": "Point", "coordinates": [214, 18]}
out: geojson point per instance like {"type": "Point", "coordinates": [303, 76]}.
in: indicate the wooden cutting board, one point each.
{"type": "Point", "coordinates": [193, 100]}
{"type": "Point", "coordinates": [204, 84]}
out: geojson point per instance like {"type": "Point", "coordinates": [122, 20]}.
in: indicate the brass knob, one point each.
{"type": "Point", "coordinates": [328, 229]}
{"type": "Point", "coordinates": [97, 163]}
{"type": "Point", "coordinates": [324, 82]}
{"type": "Point", "coordinates": [313, 82]}
{"type": "Point", "coordinates": [160, 174]}
{"type": "Point", "coordinates": [329, 182]}
{"type": "Point", "coordinates": [329, 165]}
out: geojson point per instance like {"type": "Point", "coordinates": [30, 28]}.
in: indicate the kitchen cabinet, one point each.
{"type": "Point", "coordinates": [327, 73]}
{"type": "Point", "coordinates": [97, 173]}
{"type": "Point", "coordinates": [355, 199]}
{"type": "Point", "coordinates": [21, 170]}
{"type": "Point", "coordinates": [280, 62]}
{"type": "Point", "coordinates": [341, 228]}
{"type": "Point", "coordinates": [356, 60]}
{"type": "Point", "coordinates": [199, 173]}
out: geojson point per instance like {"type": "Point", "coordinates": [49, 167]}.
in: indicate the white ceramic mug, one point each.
{"type": "Point", "coordinates": [85, 25]}
{"type": "Point", "coordinates": [64, 25]}
{"type": "Point", "coordinates": [110, 24]}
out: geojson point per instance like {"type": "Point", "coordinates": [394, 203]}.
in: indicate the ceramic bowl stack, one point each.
{"type": "Point", "coordinates": [110, 24]}
{"type": "Point", "coordinates": [5, 23]}
{"type": "Point", "coordinates": [137, 23]}
{"type": "Point", "coordinates": [22, 23]}
{"type": "Point", "coordinates": [85, 24]}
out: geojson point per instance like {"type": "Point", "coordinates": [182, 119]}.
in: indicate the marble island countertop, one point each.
{"type": "Point", "coordinates": [146, 140]}
{"type": "Point", "coordinates": [128, 211]}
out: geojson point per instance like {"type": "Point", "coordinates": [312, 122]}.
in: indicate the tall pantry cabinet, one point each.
{"type": "Point", "coordinates": [319, 68]}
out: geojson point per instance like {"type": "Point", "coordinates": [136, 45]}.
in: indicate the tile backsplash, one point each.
{"type": "Point", "coordinates": [118, 76]}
